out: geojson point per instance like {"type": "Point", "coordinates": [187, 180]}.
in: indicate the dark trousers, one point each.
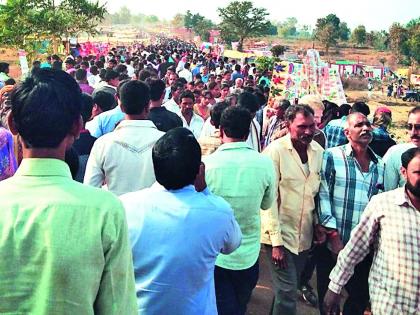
{"type": "Point", "coordinates": [234, 289]}
{"type": "Point", "coordinates": [309, 268]}
{"type": "Point", "coordinates": [357, 287]}
{"type": "Point", "coordinates": [285, 281]}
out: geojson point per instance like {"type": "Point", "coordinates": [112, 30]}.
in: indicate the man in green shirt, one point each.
{"type": "Point", "coordinates": [246, 180]}
{"type": "Point", "coordinates": [64, 246]}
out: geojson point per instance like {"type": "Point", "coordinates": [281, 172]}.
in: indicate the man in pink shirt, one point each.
{"type": "Point", "coordinates": [81, 78]}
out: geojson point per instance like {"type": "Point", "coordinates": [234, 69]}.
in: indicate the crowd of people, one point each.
{"type": "Point", "coordinates": [151, 180]}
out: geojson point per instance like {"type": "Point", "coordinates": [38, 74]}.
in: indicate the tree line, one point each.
{"type": "Point", "coordinates": [23, 22]}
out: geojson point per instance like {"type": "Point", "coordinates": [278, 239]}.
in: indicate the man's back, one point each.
{"type": "Point", "coordinates": [164, 119]}
{"type": "Point", "coordinates": [64, 246]}
{"type": "Point", "coordinates": [245, 179]}
{"type": "Point", "coordinates": [176, 236]}
{"type": "Point", "coordinates": [123, 158]}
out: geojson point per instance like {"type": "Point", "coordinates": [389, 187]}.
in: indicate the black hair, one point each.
{"type": "Point", "coordinates": [177, 85]}
{"type": "Point", "coordinates": [187, 94]}
{"type": "Point", "coordinates": [135, 97]}
{"type": "Point", "coordinates": [45, 106]}
{"type": "Point", "coordinates": [81, 74]}
{"type": "Point", "coordinates": [414, 110]}
{"type": "Point", "coordinates": [10, 81]}
{"type": "Point", "coordinates": [72, 159]}
{"type": "Point", "coordinates": [212, 85]}
{"type": "Point", "coordinates": [144, 74]}
{"type": "Point", "coordinates": [182, 80]}
{"type": "Point", "coordinates": [344, 110]}
{"type": "Point", "coordinates": [110, 75]}
{"type": "Point", "coordinates": [57, 65]}
{"type": "Point", "coordinates": [176, 158]}
{"type": "Point", "coordinates": [249, 101]}
{"type": "Point", "coordinates": [216, 113]}
{"type": "Point", "coordinates": [87, 105]}
{"type": "Point", "coordinates": [360, 107]}
{"type": "Point", "coordinates": [104, 100]}
{"type": "Point", "coordinates": [157, 87]}
{"type": "Point", "coordinates": [408, 155]}
{"type": "Point", "coordinates": [235, 122]}
{"type": "Point", "coordinates": [94, 70]}
{"type": "Point", "coordinates": [293, 110]}
{"type": "Point", "coordinates": [4, 66]}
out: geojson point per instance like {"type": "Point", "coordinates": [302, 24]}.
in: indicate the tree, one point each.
{"type": "Point", "coordinates": [278, 50]}
{"type": "Point", "coordinates": [382, 61]}
{"type": "Point", "coordinates": [23, 23]}
{"type": "Point", "coordinates": [288, 28]}
{"type": "Point", "coordinates": [343, 31]}
{"type": "Point", "coordinates": [199, 24]}
{"type": "Point", "coordinates": [398, 37]}
{"type": "Point", "coordinates": [359, 35]}
{"type": "Point", "coordinates": [412, 50]}
{"type": "Point", "coordinates": [271, 30]}
{"type": "Point", "coordinates": [241, 20]}
{"type": "Point", "coordinates": [178, 20]}
{"type": "Point", "coordinates": [327, 31]}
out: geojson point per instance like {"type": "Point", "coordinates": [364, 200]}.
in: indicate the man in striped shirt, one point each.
{"type": "Point", "coordinates": [391, 223]}
{"type": "Point", "coordinates": [351, 174]}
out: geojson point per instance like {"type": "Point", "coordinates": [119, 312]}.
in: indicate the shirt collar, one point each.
{"type": "Point", "coordinates": [290, 146]}
{"type": "Point", "coordinates": [43, 167]}
{"type": "Point", "coordinates": [234, 145]}
{"type": "Point", "coordinates": [349, 152]}
{"type": "Point", "coordinates": [402, 199]}
{"type": "Point", "coordinates": [136, 123]}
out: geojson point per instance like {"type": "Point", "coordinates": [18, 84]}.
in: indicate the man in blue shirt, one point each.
{"type": "Point", "coordinates": [177, 232]}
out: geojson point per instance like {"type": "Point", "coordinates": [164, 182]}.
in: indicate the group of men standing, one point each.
{"type": "Point", "coordinates": [195, 223]}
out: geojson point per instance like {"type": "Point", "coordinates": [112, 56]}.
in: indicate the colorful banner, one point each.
{"type": "Point", "coordinates": [291, 80]}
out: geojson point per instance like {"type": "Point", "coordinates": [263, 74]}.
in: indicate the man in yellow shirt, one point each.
{"type": "Point", "coordinates": [287, 227]}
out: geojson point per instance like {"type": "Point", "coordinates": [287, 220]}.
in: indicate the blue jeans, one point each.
{"type": "Point", "coordinates": [234, 289]}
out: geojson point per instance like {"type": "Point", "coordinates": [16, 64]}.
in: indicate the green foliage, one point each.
{"type": "Point", "coordinates": [199, 24]}
{"type": "Point", "coordinates": [125, 17]}
{"type": "Point", "coordinates": [272, 30]}
{"type": "Point", "coordinates": [288, 28]}
{"type": "Point", "coordinates": [328, 31]}
{"type": "Point", "coordinates": [241, 20]}
{"type": "Point", "coordinates": [343, 31]}
{"type": "Point", "coordinates": [24, 22]}
{"type": "Point", "coordinates": [278, 50]}
{"type": "Point", "coordinates": [359, 35]}
{"type": "Point", "coordinates": [178, 20]}
{"type": "Point", "coordinates": [264, 63]}
{"type": "Point", "coordinates": [405, 42]}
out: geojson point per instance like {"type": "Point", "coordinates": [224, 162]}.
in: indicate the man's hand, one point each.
{"type": "Point", "coordinates": [336, 243]}
{"type": "Point", "coordinates": [331, 303]}
{"type": "Point", "coordinates": [320, 234]}
{"type": "Point", "coordinates": [279, 257]}
{"type": "Point", "coordinates": [200, 180]}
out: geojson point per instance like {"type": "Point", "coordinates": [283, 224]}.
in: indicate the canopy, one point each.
{"type": "Point", "coordinates": [236, 54]}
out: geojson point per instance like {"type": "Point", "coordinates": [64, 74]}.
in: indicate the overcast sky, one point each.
{"type": "Point", "coordinates": [374, 14]}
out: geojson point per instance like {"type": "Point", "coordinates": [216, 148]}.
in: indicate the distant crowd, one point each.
{"type": "Point", "coordinates": [152, 180]}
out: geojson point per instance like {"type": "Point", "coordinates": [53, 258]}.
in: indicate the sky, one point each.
{"type": "Point", "coordinates": [374, 14]}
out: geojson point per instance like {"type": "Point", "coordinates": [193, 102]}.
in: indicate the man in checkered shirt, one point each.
{"type": "Point", "coordinates": [391, 224]}
{"type": "Point", "coordinates": [350, 175]}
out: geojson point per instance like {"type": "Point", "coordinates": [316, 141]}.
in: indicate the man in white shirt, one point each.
{"type": "Point", "coordinates": [122, 159]}
{"type": "Point", "coordinates": [186, 73]}
{"type": "Point", "coordinates": [173, 104]}
{"type": "Point", "coordinates": [177, 231]}
{"type": "Point", "coordinates": [190, 120]}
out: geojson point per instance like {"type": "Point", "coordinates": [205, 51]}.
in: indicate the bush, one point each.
{"type": "Point", "coordinates": [278, 50]}
{"type": "Point", "coordinates": [355, 84]}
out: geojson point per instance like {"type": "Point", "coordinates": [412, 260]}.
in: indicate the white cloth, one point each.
{"type": "Point", "coordinates": [122, 159]}
{"type": "Point", "coordinates": [208, 129]}
{"type": "Point", "coordinates": [172, 106]}
{"type": "Point", "coordinates": [196, 124]}
{"type": "Point", "coordinates": [186, 74]}
{"type": "Point", "coordinates": [254, 135]}
{"type": "Point", "coordinates": [94, 80]}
